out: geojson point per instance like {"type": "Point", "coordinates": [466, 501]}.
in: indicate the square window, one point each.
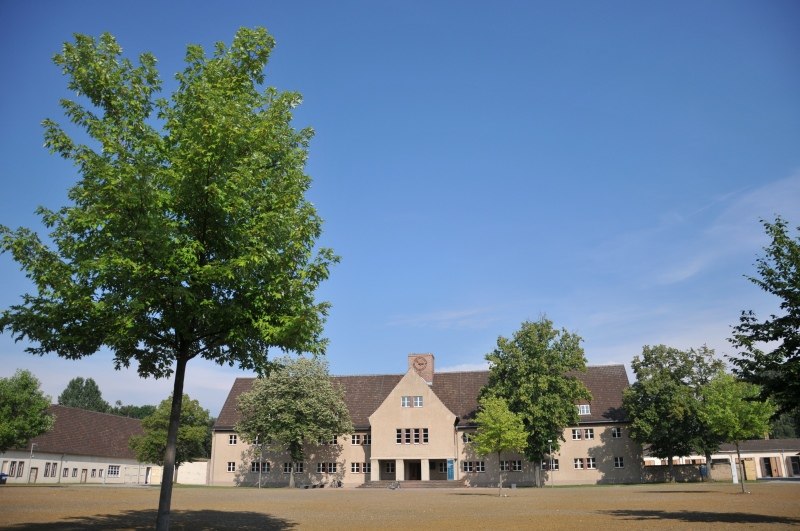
{"type": "Point", "coordinates": [388, 467]}
{"type": "Point", "coordinates": [588, 433]}
{"type": "Point", "coordinates": [577, 463]}
{"type": "Point", "coordinates": [113, 471]}
{"type": "Point", "coordinates": [232, 439]}
{"type": "Point", "coordinates": [299, 468]}
{"type": "Point", "coordinates": [466, 466]}
{"type": "Point", "coordinates": [554, 464]}
{"type": "Point", "coordinates": [504, 466]}
{"type": "Point", "coordinates": [231, 467]}
{"type": "Point", "coordinates": [616, 432]}
{"type": "Point", "coordinates": [576, 434]}
{"type": "Point", "coordinates": [417, 401]}
{"type": "Point", "coordinates": [619, 462]}
{"type": "Point", "coordinates": [584, 409]}
{"type": "Point", "coordinates": [480, 466]}
{"type": "Point", "coordinates": [516, 466]}
{"type": "Point", "coordinates": [591, 463]}
{"type": "Point", "coordinates": [405, 401]}
{"type": "Point", "coordinates": [356, 439]}
{"type": "Point", "coordinates": [355, 467]}
{"type": "Point", "coordinates": [467, 436]}
{"type": "Point", "coordinates": [332, 467]}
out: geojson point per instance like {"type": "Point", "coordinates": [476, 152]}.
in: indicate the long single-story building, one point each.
{"type": "Point", "coordinates": [417, 426]}
{"type": "Point", "coordinates": [83, 447]}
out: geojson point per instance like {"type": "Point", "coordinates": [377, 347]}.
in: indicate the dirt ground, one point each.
{"type": "Point", "coordinates": [773, 505]}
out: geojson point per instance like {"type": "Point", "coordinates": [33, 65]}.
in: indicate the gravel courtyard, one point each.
{"type": "Point", "coordinates": [774, 505]}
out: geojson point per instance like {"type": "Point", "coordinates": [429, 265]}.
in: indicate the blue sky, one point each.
{"type": "Point", "coordinates": [476, 164]}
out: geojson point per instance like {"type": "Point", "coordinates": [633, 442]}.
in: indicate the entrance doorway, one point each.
{"type": "Point", "coordinates": [83, 475]}
{"type": "Point", "coordinates": [413, 470]}
{"type": "Point", "coordinates": [33, 474]}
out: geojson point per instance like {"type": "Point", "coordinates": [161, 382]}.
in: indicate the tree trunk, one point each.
{"type": "Point", "coordinates": [739, 455]}
{"type": "Point", "coordinates": [500, 486]}
{"type": "Point", "coordinates": [670, 470]}
{"type": "Point", "coordinates": [291, 475]}
{"type": "Point", "coordinates": [165, 499]}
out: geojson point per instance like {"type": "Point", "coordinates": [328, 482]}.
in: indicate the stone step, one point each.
{"type": "Point", "coordinates": [432, 484]}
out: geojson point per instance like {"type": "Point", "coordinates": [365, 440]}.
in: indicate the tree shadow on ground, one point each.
{"type": "Point", "coordinates": [702, 517]}
{"type": "Point", "coordinates": [179, 520]}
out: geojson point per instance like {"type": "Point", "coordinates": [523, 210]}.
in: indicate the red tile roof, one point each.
{"type": "Point", "coordinates": [89, 433]}
{"type": "Point", "coordinates": [457, 390]}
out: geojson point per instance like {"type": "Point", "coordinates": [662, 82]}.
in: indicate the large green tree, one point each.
{"type": "Point", "coordinates": [23, 410]}
{"type": "Point", "coordinates": [83, 394]}
{"type": "Point", "coordinates": [534, 371]}
{"type": "Point", "coordinates": [499, 430]}
{"type": "Point", "coordinates": [188, 233]}
{"type": "Point", "coordinates": [732, 410]}
{"type": "Point", "coordinates": [663, 404]}
{"type": "Point", "coordinates": [769, 354]}
{"type": "Point", "coordinates": [296, 404]}
{"type": "Point", "coordinates": [193, 435]}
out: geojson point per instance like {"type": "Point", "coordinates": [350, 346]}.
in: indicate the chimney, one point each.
{"type": "Point", "coordinates": [423, 364]}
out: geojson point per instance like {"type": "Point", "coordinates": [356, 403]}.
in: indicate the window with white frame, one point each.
{"type": "Point", "coordinates": [417, 401]}
{"type": "Point", "coordinates": [584, 409]}
{"type": "Point", "coordinates": [297, 467]}
{"type": "Point", "coordinates": [442, 467]}
{"type": "Point", "coordinates": [588, 433]}
{"type": "Point", "coordinates": [416, 435]}
{"type": "Point", "coordinates": [65, 472]}
{"type": "Point", "coordinates": [53, 469]}
{"type": "Point", "coordinates": [47, 470]}
{"type": "Point", "coordinates": [366, 467]}
{"type": "Point", "coordinates": [113, 471]}
{"type": "Point", "coordinates": [591, 463]}
{"type": "Point", "coordinates": [367, 439]}
{"type": "Point", "coordinates": [516, 465]}
{"type": "Point", "coordinates": [388, 467]}
{"type": "Point", "coordinates": [355, 468]}
{"type": "Point", "coordinates": [577, 463]}
{"type": "Point", "coordinates": [259, 466]}
{"type": "Point", "coordinates": [405, 401]}
{"type": "Point", "coordinates": [408, 436]}
{"type": "Point", "coordinates": [616, 432]}
{"type": "Point", "coordinates": [473, 466]}
{"type": "Point", "coordinates": [100, 472]}
{"type": "Point", "coordinates": [231, 467]}
{"type": "Point", "coordinates": [232, 439]}
{"type": "Point", "coordinates": [20, 468]}
{"type": "Point", "coordinates": [355, 439]}
{"type": "Point", "coordinates": [399, 436]}
{"type": "Point", "coordinates": [619, 462]}
{"type": "Point", "coordinates": [424, 435]}
{"type": "Point", "coordinates": [576, 434]}
{"type": "Point", "coordinates": [505, 466]}
{"type": "Point", "coordinates": [75, 472]}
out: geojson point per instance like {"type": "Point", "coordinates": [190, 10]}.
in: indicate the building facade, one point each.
{"type": "Point", "coordinates": [418, 426]}
{"type": "Point", "coordinates": [83, 447]}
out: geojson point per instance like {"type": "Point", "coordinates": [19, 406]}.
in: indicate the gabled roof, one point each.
{"type": "Point", "coordinates": [457, 390]}
{"type": "Point", "coordinates": [88, 433]}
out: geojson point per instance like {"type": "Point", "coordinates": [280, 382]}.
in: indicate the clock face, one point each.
{"type": "Point", "coordinates": [420, 363]}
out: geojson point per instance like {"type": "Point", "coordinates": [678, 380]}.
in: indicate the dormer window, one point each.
{"type": "Point", "coordinates": [583, 409]}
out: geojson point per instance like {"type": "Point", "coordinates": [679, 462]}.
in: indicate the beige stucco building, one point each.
{"type": "Point", "coordinates": [417, 426]}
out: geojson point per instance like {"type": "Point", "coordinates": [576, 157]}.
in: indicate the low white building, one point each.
{"type": "Point", "coordinates": [83, 447]}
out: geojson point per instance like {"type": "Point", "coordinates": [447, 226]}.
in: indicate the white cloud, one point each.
{"type": "Point", "coordinates": [477, 318]}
